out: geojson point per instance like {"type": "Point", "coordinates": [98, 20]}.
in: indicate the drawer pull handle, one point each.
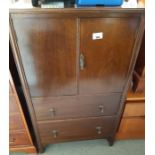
{"type": "Point", "coordinates": [99, 128]}
{"type": "Point", "coordinates": [82, 61]}
{"type": "Point", "coordinates": [12, 140]}
{"type": "Point", "coordinates": [55, 133]}
{"type": "Point", "coordinates": [52, 112]}
{"type": "Point", "coordinates": [101, 107]}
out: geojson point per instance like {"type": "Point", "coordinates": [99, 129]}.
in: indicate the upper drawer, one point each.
{"type": "Point", "coordinates": [76, 106]}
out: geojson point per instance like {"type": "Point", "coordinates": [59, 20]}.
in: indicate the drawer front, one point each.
{"type": "Point", "coordinates": [13, 108]}
{"type": "Point", "coordinates": [134, 109]}
{"type": "Point", "coordinates": [15, 122]}
{"type": "Point", "coordinates": [68, 130]}
{"type": "Point", "coordinates": [18, 138]}
{"type": "Point", "coordinates": [131, 128]}
{"type": "Point", "coordinates": [76, 107]}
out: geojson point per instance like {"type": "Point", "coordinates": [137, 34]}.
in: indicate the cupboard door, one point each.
{"type": "Point", "coordinates": [47, 47]}
{"type": "Point", "coordinates": [106, 56]}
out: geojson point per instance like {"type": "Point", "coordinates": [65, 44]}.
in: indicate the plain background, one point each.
{"type": "Point", "coordinates": [149, 77]}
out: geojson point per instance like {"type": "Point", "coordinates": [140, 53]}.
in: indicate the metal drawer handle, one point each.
{"type": "Point", "coordinates": [99, 129]}
{"type": "Point", "coordinates": [82, 61]}
{"type": "Point", "coordinates": [52, 112]}
{"type": "Point", "coordinates": [55, 133]}
{"type": "Point", "coordinates": [101, 107]}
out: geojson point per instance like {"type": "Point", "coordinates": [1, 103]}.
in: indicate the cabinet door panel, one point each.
{"type": "Point", "coordinates": [47, 47]}
{"type": "Point", "coordinates": [106, 59]}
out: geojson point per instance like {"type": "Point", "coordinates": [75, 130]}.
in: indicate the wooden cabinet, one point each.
{"type": "Point", "coordinates": [75, 66]}
{"type": "Point", "coordinates": [19, 136]}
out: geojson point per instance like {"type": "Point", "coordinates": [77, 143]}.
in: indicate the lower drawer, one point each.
{"type": "Point", "coordinates": [131, 128]}
{"type": "Point", "coordinates": [18, 138]}
{"type": "Point", "coordinates": [76, 129]}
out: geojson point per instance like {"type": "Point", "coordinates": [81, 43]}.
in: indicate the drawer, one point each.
{"type": "Point", "coordinates": [134, 109]}
{"type": "Point", "coordinates": [76, 129]}
{"type": "Point", "coordinates": [13, 108]}
{"type": "Point", "coordinates": [15, 122]}
{"type": "Point", "coordinates": [18, 138]}
{"type": "Point", "coordinates": [131, 128]}
{"type": "Point", "coordinates": [76, 106]}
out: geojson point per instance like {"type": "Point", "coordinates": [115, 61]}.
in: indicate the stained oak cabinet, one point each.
{"type": "Point", "coordinates": [75, 67]}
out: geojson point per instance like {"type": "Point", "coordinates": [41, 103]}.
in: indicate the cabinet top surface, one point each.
{"type": "Point", "coordinates": [132, 5]}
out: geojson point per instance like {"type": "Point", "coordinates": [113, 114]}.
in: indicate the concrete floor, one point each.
{"type": "Point", "coordinates": [95, 147]}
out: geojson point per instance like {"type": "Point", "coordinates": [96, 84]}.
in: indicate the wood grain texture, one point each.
{"type": "Point", "coordinates": [48, 52]}
{"type": "Point", "coordinates": [131, 29]}
{"type": "Point", "coordinates": [76, 106]}
{"type": "Point", "coordinates": [106, 60]}
{"type": "Point", "coordinates": [68, 130]}
{"type": "Point", "coordinates": [15, 122]}
{"type": "Point", "coordinates": [134, 109]}
{"type": "Point", "coordinates": [18, 130]}
{"type": "Point", "coordinates": [18, 139]}
{"type": "Point", "coordinates": [131, 128]}
{"type": "Point", "coordinates": [27, 149]}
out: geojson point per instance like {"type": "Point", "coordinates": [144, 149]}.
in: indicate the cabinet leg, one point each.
{"type": "Point", "coordinates": [110, 141]}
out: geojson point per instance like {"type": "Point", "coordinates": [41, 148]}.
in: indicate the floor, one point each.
{"type": "Point", "coordinates": [95, 147]}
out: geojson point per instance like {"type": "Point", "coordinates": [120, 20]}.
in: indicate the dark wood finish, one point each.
{"type": "Point", "coordinates": [52, 69]}
{"type": "Point", "coordinates": [139, 81]}
{"type": "Point", "coordinates": [131, 26]}
{"type": "Point", "coordinates": [76, 107]}
{"type": "Point", "coordinates": [68, 130]}
{"type": "Point", "coordinates": [139, 71]}
{"type": "Point", "coordinates": [107, 59]}
{"type": "Point", "coordinates": [19, 135]}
